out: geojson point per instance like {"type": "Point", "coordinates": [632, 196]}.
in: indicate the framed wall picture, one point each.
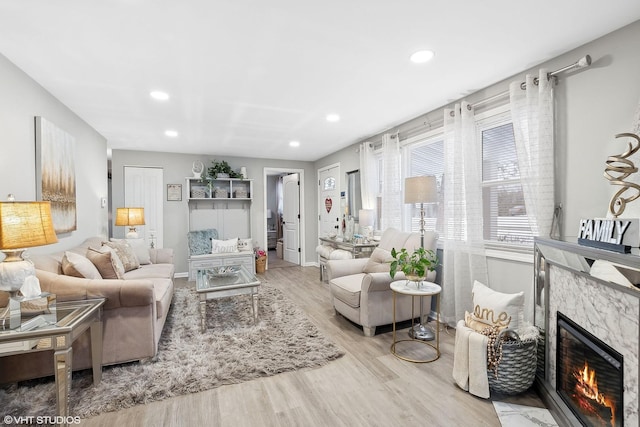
{"type": "Point", "coordinates": [56, 173]}
{"type": "Point", "coordinates": [174, 192]}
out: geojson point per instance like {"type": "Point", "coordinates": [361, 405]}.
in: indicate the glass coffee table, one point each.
{"type": "Point", "coordinates": [226, 281]}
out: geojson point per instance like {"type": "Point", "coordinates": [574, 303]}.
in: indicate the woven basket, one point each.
{"type": "Point", "coordinates": [198, 193]}
{"type": "Point", "coordinates": [220, 194]}
{"type": "Point", "coordinates": [517, 369]}
{"type": "Point", "coordinates": [240, 194]}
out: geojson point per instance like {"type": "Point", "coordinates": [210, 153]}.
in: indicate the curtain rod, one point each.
{"type": "Point", "coordinates": [583, 62]}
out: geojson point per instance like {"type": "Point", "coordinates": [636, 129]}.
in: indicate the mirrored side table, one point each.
{"type": "Point", "coordinates": [40, 333]}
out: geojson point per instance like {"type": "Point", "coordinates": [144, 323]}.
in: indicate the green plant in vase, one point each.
{"type": "Point", "coordinates": [415, 265]}
{"type": "Point", "coordinates": [223, 168]}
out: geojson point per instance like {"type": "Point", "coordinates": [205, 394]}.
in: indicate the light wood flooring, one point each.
{"type": "Point", "coordinates": [366, 387]}
{"type": "Point", "coordinates": [274, 262]}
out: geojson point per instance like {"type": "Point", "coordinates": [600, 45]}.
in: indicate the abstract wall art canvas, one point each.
{"type": "Point", "coordinates": [56, 175]}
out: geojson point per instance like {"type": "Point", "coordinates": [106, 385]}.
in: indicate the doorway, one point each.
{"type": "Point", "coordinates": [284, 219]}
{"type": "Point", "coordinates": [143, 187]}
{"type": "Point", "coordinates": [329, 202]}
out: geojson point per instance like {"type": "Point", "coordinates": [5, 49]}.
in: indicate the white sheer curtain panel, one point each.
{"type": "Point", "coordinates": [368, 176]}
{"type": "Point", "coordinates": [391, 183]}
{"type": "Point", "coordinates": [464, 253]}
{"type": "Point", "coordinates": [532, 115]}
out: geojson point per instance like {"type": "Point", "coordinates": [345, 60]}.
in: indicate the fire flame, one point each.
{"type": "Point", "coordinates": [587, 386]}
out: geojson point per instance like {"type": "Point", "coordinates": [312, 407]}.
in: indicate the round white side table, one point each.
{"type": "Point", "coordinates": [416, 289]}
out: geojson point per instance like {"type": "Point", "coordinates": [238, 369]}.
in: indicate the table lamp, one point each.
{"type": "Point", "coordinates": [366, 220]}
{"type": "Point", "coordinates": [421, 189]}
{"type": "Point", "coordinates": [22, 225]}
{"type": "Point", "coordinates": [130, 217]}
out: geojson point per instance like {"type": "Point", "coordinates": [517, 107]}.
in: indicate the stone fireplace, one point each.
{"type": "Point", "coordinates": [591, 333]}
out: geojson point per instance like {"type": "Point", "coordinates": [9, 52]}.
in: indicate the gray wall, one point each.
{"type": "Point", "coordinates": [178, 166]}
{"type": "Point", "coordinates": [592, 105]}
{"type": "Point", "coordinates": [348, 159]}
{"type": "Point", "coordinates": [22, 99]}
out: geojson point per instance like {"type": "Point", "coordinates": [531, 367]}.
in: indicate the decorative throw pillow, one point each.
{"type": "Point", "coordinates": [477, 325]}
{"type": "Point", "coordinates": [379, 261]}
{"type": "Point", "coordinates": [139, 247]}
{"type": "Point", "coordinates": [76, 265]}
{"type": "Point", "coordinates": [107, 263]}
{"type": "Point", "coordinates": [224, 246]}
{"type": "Point", "coordinates": [125, 253]}
{"type": "Point", "coordinates": [245, 245]}
{"type": "Point", "coordinates": [497, 308]}
{"type": "Point", "coordinates": [200, 241]}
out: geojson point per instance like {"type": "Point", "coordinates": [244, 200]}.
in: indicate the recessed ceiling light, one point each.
{"type": "Point", "coordinates": [159, 95]}
{"type": "Point", "coordinates": [294, 144]}
{"type": "Point", "coordinates": [422, 56]}
{"type": "Point", "coordinates": [333, 117]}
{"type": "Point", "coordinates": [171, 133]}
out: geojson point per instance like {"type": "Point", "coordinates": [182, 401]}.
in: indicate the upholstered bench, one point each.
{"type": "Point", "coordinates": [201, 256]}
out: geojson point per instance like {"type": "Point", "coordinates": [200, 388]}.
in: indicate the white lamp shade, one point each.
{"type": "Point", "coordinates": [269, 214]}
{"type": "Point", "coordinates": [366, 217]}
{"type": "Point", "coordinates": [420, 189]}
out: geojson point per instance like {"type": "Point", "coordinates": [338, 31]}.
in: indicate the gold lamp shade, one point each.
{"type": "Point", "coordinates": [22, 225]}
{"type": "Point", "coordinates": [25, 224]}
{"type": "Point", "coordinates": [130, 217]}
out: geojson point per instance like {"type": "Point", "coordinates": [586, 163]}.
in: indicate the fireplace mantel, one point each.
{"type": "Point", "coordinates": [596, 289]}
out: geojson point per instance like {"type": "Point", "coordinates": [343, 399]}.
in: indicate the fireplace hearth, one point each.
{"type": "Point", "coordinates": [589, 376]}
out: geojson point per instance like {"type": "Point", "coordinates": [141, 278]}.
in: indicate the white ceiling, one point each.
{"type": "Point", "coordinates": [248, 76]}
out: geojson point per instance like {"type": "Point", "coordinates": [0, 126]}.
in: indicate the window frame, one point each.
{"type": "Point", "coordinates": [426, 138]}
{"type": "Point", "coordinates": [489, 119]}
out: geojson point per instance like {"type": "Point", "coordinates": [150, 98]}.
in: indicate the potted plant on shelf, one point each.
{"type": "Point", "coordinates": [221, 169]}
{"type": "Point", "coordinates": [415, 265]}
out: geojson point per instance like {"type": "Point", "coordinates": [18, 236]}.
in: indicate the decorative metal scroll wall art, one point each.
{"type": "Point", "coordinates": [619, 168]}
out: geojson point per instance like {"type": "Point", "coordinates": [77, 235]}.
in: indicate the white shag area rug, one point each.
{"type": "Point", "coordinates": [231, 350]}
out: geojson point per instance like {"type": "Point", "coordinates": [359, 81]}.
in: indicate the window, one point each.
{"type": "Point", "coordinates": [426, 157]}
{"type": "Point", "coordinates": [354, 194]}
{"type": "Point", "coordinates": [504, 213]}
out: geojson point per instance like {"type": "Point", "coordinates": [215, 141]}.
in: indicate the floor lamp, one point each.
{"type": "Point", "coordinates": [421, 189]}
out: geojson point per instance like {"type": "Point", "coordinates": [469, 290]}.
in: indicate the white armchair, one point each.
{"type": "Point", "coordinates": [360, 288]}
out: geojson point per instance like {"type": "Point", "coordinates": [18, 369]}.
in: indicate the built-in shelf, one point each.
{"type": "Point", "coordinates": [224, 204]}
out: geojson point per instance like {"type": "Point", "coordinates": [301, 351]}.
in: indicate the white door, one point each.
{"type": "Point", "coordinates": [291, 218]}
{"type": "Point", "coordinates": [329, 203]}
{"type": "Point", "coordinates": [143, 187]}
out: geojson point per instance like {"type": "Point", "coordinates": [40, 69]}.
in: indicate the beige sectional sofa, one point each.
{"type": "Point", "coordinates": [134, 313]}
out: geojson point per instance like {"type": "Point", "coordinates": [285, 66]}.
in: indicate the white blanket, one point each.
{"type": "Point", "coordinates": [470, 361]}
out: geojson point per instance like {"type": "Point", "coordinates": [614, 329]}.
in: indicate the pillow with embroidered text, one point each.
{"type": "Point", "coordinates": [497, 308]}
{"type": "Point", "coordinates": [224, 246]}
{"type": "Point", "coordinates": [245, 245]}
